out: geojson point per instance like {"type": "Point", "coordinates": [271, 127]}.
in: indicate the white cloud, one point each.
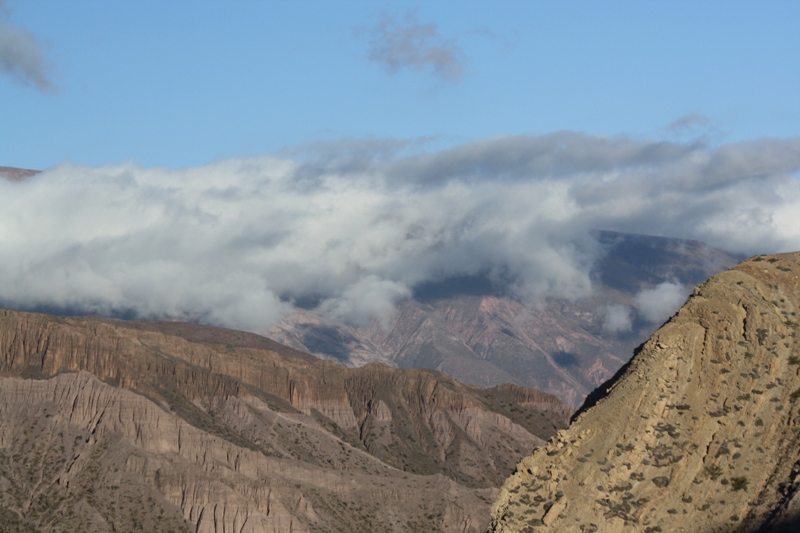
{"type": "Point", "coordinates": [367, 299]}
{"type": "Point", "coordinates": [232, 243]}
{"type": "Point", "coordinates": [617, 319]}
{"type": "Point", "coordinates": [656, 305]}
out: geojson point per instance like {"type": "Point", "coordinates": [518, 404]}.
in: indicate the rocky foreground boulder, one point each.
{"type": "Point", "coordinates": [699, 433]}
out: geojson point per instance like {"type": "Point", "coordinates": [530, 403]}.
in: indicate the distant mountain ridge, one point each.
{"type": "Point", "coordinates": [17, 174]}
{"type": "Point", "coordinates": [466, 328]}
{"type": "Point", "coordinates": [472, 328]}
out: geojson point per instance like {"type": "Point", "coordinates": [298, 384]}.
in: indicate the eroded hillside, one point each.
{"type": "Point", "coordinates": [108, 426]}
{"type": "Point", "coordinates": [699, 433]}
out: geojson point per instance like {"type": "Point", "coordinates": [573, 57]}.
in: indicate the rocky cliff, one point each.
{"type": "Point", "coordinates": [114, 426]}
{"type": "Point", "coordinates": [699, 433]}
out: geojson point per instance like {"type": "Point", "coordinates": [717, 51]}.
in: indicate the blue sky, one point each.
{"type": "Point", "coordinates": [178, 83]}
{"type": "Point", "coordinates": [219, 161]}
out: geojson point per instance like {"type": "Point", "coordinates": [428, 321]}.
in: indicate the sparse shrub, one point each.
{"type": "Point", "coordinates": [739, 483]}
{"type": "Point", "coordinates": [794, 360]}
{"type": "Point", "coordinates": [661, 481]}
{"type": "Point", "coordinates": [622, 487]}
{"type": "Point", "coordinates": [795, 395]}
{"type": "Point", "coordinates": [759, 422]}
{"type": "Point", "coordinates": [713, 472]}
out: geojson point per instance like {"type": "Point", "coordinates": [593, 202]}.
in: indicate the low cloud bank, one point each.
{"type": "Point", "coordinates": [234, 243]}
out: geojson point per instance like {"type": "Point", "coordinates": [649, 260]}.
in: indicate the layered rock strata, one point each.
{"type": "Point", "coordinates": [116, 427]}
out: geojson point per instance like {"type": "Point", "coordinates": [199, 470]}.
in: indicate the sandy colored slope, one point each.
{"type": "Point", "coordinates": [700, 433]}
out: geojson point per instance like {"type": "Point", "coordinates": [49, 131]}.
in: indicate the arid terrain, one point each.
{"type": "Point", "coordinates": [700, 432]}
{"type": "Point", "coordinates": [113, 426]}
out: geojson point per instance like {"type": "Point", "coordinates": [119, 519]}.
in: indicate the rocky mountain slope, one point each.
{"type": "Point", "coordinates": [113, 426]}
{"type": "Point", "coordinates": [699, 433]}
{"type": "Point", "coordinates": [470, 329]}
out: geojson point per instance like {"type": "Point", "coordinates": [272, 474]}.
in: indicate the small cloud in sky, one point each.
{"type": "Point", "coordinates": [400, 43]}
{"type": "Point", "coordinates": [661, 302]}
{"type": "Point", "coordinates": [617, 319]}
{"type": "Point", "coordinates": [688, 122]}
{"type": "Point", "coordinates": [21, 56]}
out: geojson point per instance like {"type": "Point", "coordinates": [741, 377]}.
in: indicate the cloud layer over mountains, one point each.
{"type": "Point", "coordinates": [231, 243]}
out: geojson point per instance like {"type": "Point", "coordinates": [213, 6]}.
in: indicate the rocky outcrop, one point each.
{"type": "Point", "coordinates": [98, 417]}
{"type": "Point", "coordinates": [699, 433]}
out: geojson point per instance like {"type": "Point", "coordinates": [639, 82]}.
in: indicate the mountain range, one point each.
{"type": "Point", "coordinates": [473, 330]}
{"type": "Point", "coordinates": [112, 425]}
{"type": "Point", "coordinates": [130, 425]}
{"type": "Point", "coordinates": [476, 329]}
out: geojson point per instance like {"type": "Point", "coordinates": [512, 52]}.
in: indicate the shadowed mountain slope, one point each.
{"type": "Point", "coordinates": [700, 433]}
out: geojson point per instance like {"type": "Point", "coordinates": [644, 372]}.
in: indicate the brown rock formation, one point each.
{"type": "Point", "coordinates": [111, 426]}
{"type": "Point", "coordinates": [699, 433]}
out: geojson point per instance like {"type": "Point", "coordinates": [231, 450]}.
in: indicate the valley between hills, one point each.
{"type": "Point", "coordinates": [470, 328]}
{"type": "Point", "coordinates": [108, 425]}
